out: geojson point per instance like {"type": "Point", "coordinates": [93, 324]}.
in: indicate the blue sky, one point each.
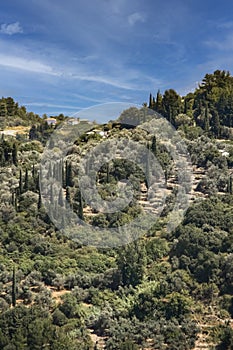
{"type": "Point", "coordinates": [62, 56]}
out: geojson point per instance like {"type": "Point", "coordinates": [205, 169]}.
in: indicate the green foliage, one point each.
{"type": "Point", "coordinates": [131, 263]}
{"type": "Point", "coordinates": [147, 293]}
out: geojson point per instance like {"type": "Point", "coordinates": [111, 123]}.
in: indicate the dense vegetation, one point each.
{"type": "Point", "coordinates": [156, 292]}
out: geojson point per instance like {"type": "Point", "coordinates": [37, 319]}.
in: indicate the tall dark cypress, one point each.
{"type": "Point", "coordinates": [63, 177]}
{"type": "Point", "coordinates": [39, 204]}
{"type": "Point", "coordinates": [60, 198]}
{"type": "Point", "coordinates": [80, 207]}
{"type": "Point", "coordinates": [13, 198]}
{"type": "Point", "coordinates": [51, 194]}
{"type": "Point", "coordinates": [69, 174]}
{"type": "Point", "coordinates": [15, 154]}
{"type": "Point", "coordinates": [20, 182]}
{"type": "Point", "coordinates": [151, 104]}
{"type": "Point", "coordinates": [229, 185]}
{"type": "Point", "coordinates": [26, 182]}
{"type": "Point", "coordinates": [13, 296]}
{"type": "Point", "coordinates": [68, 196]}
{"type": "Point", "coordinates": [215, 123]}
{"type": "Point", "coordinates": [154, 145]}
{"type": "Point", "coordinates": [107, 173]}
{"type": "Point", "coordinates": [207, 120]}
{"type": "Point", "coordinates": [158, 103]}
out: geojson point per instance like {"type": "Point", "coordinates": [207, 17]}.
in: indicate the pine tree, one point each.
{"type": "Point", "coordinates": [10, 105]}
{"type": "Point", "coordinates": [3, 109]}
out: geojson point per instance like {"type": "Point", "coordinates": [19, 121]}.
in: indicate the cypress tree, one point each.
{"type": "Point", "coordinates": [229, 186]}
{"type": "Point", "coordinates": [215, 123]}
{"type": "Point", "coordinates": [51, 194]}
{"type": "Point", "coordinates": [26, 184]}
{"type": "Point", "coordinates": [159, 103]}
{"type": "Point", "coordinates": [154, 145]}
{"type": "Point", "coordinates": [33, 133]}
{"type": "Point", "coordinates": [185, 106]}
{"type": "Point", "coordinates": [63, 178]}
{"type": "Point", "coordinates": [108, 175]}
{"type": "Point", "coordinates": [80, 206]}
{"type": "Point", "coordinates": [13, 198]}
{"type": "Point", "coordinates": [15, 154]}
{"type": "Point", "coordinates": [20, 182]}
{"type": "Point", "coordinates": [68, 196]}
{"type": "Point", "coordinates": [206, 120]}
{"type": "Point", "coordinates": [39, 204]}
{"type": "Point", "coordinates": [50, 171]}
{"type": "Point", "coordinates": [37, 182]}
{"type": "Point", "coordinates": [13, 299]}
{"type": "Point", "coordinates": [151, 104]}
{"type": "Point", "coordinates": [60, 198]}
{"type": "Point", "coordinates": [69, 175]}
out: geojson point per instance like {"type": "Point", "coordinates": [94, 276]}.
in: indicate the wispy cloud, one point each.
{"type": "Point", "coordinates": [104, 80]}
{"type": "Point", "coordinates": [50, 105]}
{"type": "Point", "coordinates": [136, 17]}
{"type": "Point", "coordinates": [225, 25]}
{"type": "Point", "coordinates": [225, 44]}
{"type": "Point", "coordinates": [11, 28]}
{"type": "Point", "coordinates": [26, 64]}
{"type": "Point", "coordinates": [122, 78]}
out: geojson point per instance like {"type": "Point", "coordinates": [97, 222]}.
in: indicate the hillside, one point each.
{"type": "Point", "coordinates": [106, 280]}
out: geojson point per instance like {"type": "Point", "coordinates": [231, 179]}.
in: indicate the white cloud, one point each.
{"type": "Point", "coordinates": [104, 80]}
{"type": "Point", "coordinates": [26, 65]}
{"type": "Point", "coordinates": [136, 17]}
{"type": "Point", "coordinates": [11, 28]}
{"type": "Point", "coordinates": [74, 73]}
